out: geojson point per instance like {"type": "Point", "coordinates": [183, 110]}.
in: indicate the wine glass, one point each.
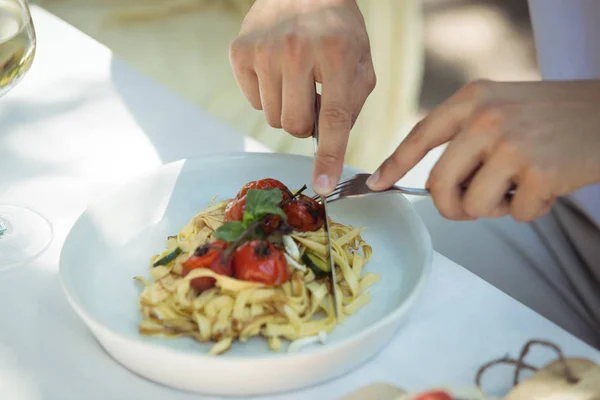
{"type": "Point", "coordinates": [24, 233]}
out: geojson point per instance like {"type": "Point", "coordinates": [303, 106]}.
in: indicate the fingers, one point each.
{"type": "Point", "coordinates": [258, 70]}
{"type": "Point", "coordinates": [248, 83]}
{"type": "Point", "coordinates": [270, 85]}
{"type": "Point", "coordinates": [486, 195]}
{"type": "Point", "coordinates": [347, 78]}
{"type": "Point", "coordinates": [342, 100]}
{"type": "Point", "coordinates": [335, 122]}
{"type": "Point", "coordinates": [244, 74]}
{"type": "Point", "coordinates": [280, 54]}
{"type": "Point", "coordinates": [297, 114]}
{"type": "Point", "coordinates": [459, 163]}
{"type": "Point", "coordinates": [440, 126]}
{"type": "Point", "coordinates": [258, 77]}
{"type": "Point", "coordinates": [298, 85]}
{"type": "Point", "coordinates": [298, 90]}
{"type": "Point", "coordinates": [363, 86]}
{"type": "Point", "coordinates": [493, 146]}
{"type": "Point", "coordinates": [532, 199]}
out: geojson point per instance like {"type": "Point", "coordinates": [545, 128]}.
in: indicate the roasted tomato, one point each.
{"type": "Point", "coordinates": [304, 214]}
{"type": "Point", "coordinates": [235, 212]}
{"type": "Point", "coordinates": [260, 261]}
{"type": "Point", "coordinates": [208, 256]}
{"type": "Point", "coordinates": [434, 395]}
{"type": "Point", "coordinates": [267, 183]}
{"type": "Point", "coordinates": [270, 224]}
{"type": "Point", "coordinates": [235, 209]}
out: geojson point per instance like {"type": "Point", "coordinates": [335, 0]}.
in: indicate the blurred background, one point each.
{"type": "Point", "coordinates": [423, 50]}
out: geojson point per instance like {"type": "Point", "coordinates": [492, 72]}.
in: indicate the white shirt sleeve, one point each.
{"type": "Point", "coordinates": [567, 38]}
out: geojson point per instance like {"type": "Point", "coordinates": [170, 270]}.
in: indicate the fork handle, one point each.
{"type": "Point", "coordinates": [409, 191]}
{"type": "Point", "coordinates": [425, 192]}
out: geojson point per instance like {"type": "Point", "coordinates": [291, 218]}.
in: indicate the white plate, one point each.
{"type": "Point", "coordinates": [113, 239]}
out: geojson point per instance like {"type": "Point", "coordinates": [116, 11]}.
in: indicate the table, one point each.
{"type": "Point", "coordinates": [83, 121]}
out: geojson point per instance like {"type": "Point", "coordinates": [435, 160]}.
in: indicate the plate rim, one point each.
{"type": "Point", "coordinates": [322, 350]}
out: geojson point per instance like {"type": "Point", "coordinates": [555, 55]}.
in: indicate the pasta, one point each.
{"type": "Point", "coordinates": [235, 309]}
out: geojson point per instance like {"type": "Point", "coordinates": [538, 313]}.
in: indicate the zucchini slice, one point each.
{"type": "Point", "coordinates": [319, 266]}
{"type": "Point", "coordinates": [168, 258]}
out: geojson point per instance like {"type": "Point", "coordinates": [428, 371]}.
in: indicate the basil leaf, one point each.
{"type": "Point", "coordinates": [230, 231]}
{"type": "Point", "coordinates": [271, 211]}
{"type": "Point", "coordinates": [263, 202]}
{"type": "Point", "coordinates": [259, 199]}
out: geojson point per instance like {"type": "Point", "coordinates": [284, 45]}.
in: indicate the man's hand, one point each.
{"type": "Point", "coordinates": [283, 48]}
{"type": "Point", "coordinates": [544, 137]}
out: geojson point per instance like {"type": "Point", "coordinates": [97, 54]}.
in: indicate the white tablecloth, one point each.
{"type": "Point", "coordinates": [81, 122]}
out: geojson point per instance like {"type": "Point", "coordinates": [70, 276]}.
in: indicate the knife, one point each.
{"type": "Point", "coordinates": [326, 225]}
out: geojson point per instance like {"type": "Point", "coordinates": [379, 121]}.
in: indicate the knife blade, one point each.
{"type": "Point", "coordinates": [331, 261]}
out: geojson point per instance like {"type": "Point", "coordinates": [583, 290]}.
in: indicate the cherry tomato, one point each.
{"type": "Point", "coordinates": [304, 214]}
{"type": "Point", "coordinates": [235, 209]}
{"type": "Point", "coordinates": [260, 261]}
{"type": "Point", "coordinates": [267, 183]}
{"type": "Point", "coordinates": [207, 256]}
{"type": "Point", "coordinates": [235, 212]}
{"type": "Point", "coordinates": [434, 395]}
{"type": "Point", "coordinates": [270, 224]}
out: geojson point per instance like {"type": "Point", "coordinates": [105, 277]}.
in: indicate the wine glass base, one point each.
{"type": "Point", "coordinates": [25, 235]}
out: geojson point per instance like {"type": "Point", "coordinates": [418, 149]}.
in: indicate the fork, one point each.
{"type": "Point", "coordinates": [356, 187]}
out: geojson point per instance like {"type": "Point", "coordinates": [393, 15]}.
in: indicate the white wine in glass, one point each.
{"type": "Point", "coordinates": [24, 233]}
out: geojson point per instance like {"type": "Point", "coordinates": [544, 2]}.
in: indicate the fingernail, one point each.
{"type": "Point", "coordinates": [373, 179]}
{"type": "Point", "coordinates": [323, 184]}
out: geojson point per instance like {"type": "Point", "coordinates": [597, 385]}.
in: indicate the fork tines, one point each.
{"type": "Point", "coordinates": [343, 187]}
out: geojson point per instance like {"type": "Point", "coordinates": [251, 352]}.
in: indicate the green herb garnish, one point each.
{"type": "Point", "coordinates": [230, 231]}
{"type": "Point", "coordinates": [259, 204]}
